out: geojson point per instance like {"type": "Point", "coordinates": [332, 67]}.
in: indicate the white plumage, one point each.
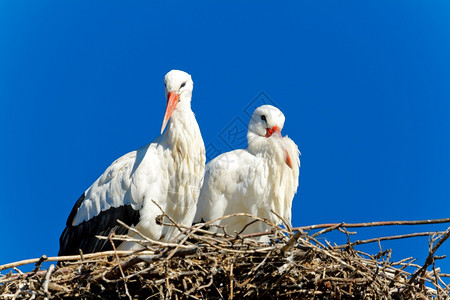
{"type": "Point", "coordinates": [256, 180]}
{"type": "Point", "coordinates": [169, 171]}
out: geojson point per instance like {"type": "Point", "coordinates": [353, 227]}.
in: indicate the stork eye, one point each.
{"type": "Point", "coordinates": [182, 85]}
{"type": "Point", "coordinates": [263, 117]}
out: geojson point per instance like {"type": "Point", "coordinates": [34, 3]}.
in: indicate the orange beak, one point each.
{"type": "Point", "coordinates": [172, 100]}
{"type": "Point", "coordinates": [274, 129]}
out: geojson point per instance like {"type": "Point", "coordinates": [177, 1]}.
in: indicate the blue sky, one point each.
{"type": "Point", "coordinates": [364, 87]}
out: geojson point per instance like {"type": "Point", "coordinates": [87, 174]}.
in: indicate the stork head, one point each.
{"type": "Point", "coordinates": [267, 122]}
{"type": "Point", "coordinates": [179, 86]}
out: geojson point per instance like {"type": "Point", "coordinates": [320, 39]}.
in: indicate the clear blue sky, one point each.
{"type": "Point", "coordinates": [365, 87]}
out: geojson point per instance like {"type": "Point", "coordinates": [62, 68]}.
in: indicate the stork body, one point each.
{"type": "Point", "coordinates": [255, 180]}
{"type": "Point", "coordinates": [168, 171]}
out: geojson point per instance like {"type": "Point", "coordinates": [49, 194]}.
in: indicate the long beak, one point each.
{"type": "Point", "coordinates": [172, 100]}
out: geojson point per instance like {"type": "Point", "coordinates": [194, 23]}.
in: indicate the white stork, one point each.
{"type": "Point", "coordinates": [168, 171]}
{"type": "Point", "coordinates": [255, 180]}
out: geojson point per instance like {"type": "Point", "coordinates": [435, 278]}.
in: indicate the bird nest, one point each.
{"type": "Point", "coordinates": [205, 265]}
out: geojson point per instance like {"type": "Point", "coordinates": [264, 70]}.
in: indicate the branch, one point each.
{"type": "Point", "coordinates": [373, 224]}
{"type": "Point", "coordinates": [430, 257]}
{"type": "Point", "coordinates": [386, 238]}
{"type": "Point", "coordinates": [64, 258]}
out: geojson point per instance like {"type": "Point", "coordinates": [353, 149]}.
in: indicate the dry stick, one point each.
{"type": "Point", "coordinates": [231, 282]}
{"type": "Point", "coordinates": [198, 228]}
{"type": "Point", "coordinates": [249, 251]}
{"type": "Point", "coordinates": [81, 254]}
{"type": "Point", "coordinates": [147, 258]}
{"type": "Point", "coordinates": [120, 268]}
{"type": "Point", "coordinates": [250, 216]}
{"type": "Point", "coordinates": [386, 238]}
{"type": "Point", "coordinates": [183, 293]}
{"type": "Point", "coordinates": [373, 224]}
{"type": "Point", "coordinates": [176, 225]}
{"type": "Point", "coordinates": [210, 223]}
{"type": "Point", "coordinates": [147, 239]}
{"type": "Point", "coordinates": [39, 263]}
{"type": "Point", "coordinates": [237, 234]}
{"type": "Point", "coordinates": [276, 283]}
{"type": "Point", "coordinates": [185, 246]}
{"type": "Point", "coordinates": [127, 238]}
{"type": "Point", "coordinates": [47, 279]}
{"type": "Point", "coordinates": [291, 241]}
{"type": "Point", "coordinates": [63, 258]}
{"type": "Point", "coordinates": [228, 237]}
{"type": "Point", "coordinates": [430, 258]}
{"type": "Point", "coordinates": [288, 225]}
{"type": "Point", "coordinates": [436, 280]}
{"type": "Point", "coordinates": [331, 228]}
{"type": "Point", "coordinates": [253, 271]}
{"type": "Point", "coordinates": [190, 234]}
{"type": "Point", "coordinates": [403, 261]}
{"type": "Point", "coordinates": [447, 287]}
{"type": "Point", "coordinates": [336, 259]}
{"type": "Point", "coordinates": [168, 217]}
{"type": "Point", "coordinates": [317, 242]}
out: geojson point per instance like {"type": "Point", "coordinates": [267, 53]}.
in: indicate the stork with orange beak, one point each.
{"type": "Point", "coordinates": [168, 171]}
{"type": "Point", "coordinates": [257, 180]}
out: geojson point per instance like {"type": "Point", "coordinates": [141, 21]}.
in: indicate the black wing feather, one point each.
{"type": "Point", "coordinates": [82, 236]}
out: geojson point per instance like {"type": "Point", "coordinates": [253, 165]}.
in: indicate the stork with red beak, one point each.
{"type": "Point", "coordinates": [256, 180]}
{"type": "Point", "coordinates": [168, 171]}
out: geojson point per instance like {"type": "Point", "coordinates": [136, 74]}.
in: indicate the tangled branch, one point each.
{"type": "Point", "coordinates": [203, 265]}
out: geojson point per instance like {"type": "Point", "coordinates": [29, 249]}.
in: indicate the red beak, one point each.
{"type": "Point", "coordinates": [172, 100]}
{"type": "Point", "coordinates": [274, 129]}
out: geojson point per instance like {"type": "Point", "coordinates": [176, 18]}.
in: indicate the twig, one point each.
{"type": "Point", "coordinates": [291, 241]}
{"type": "Point", "coordinates": [39, 263]}
{"type": "Point", "coordinates": [147, 239]}
{"type": "Point", "coordinates": [238, 234]}
{"type": "Point", "coordinates": [47, 279]}
{"type": "Point", "coordinates": [385, 238]}
{"type": "Point", "coordinates": [120, 267]}
{"type": "Point", "coordinates": [331, 228]}
{"type": "Point", "coordinates": [430, 257]}
{"type": "Point", "coordinates": [231, 282]}
{"type": "Point", "coordinates": [288, 225]}
{"type": "Point", "coordinates": [373, 224]}
{"type": "Point", "coordinates": [62, 258]}
{"type": "Point", "coordinates": [168, 217]}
